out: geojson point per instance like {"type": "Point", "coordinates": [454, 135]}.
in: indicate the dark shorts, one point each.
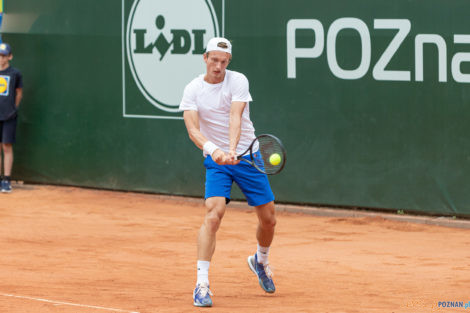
{"type": "Point", "coordinates": [8, 131]}
{"type": "Point", "coordinates": [254, 185]}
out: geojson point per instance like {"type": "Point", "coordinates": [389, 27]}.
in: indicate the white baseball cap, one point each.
{"type": "Point", "coordinates": [219, 44]}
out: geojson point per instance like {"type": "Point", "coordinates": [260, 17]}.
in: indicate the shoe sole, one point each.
{"type": "Point", "coordinates": [252, 268]}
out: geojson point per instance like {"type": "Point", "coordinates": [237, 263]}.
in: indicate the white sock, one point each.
{"type": "Point", "coordinates": [203, 272]}
{"type": "Point", "coordinates": [262, 254]}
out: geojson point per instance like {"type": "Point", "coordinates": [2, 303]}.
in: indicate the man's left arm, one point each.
{"type": "Point", "coordinates": [236, 111]}
{"type": "Point", "coordinates": [19, 96]}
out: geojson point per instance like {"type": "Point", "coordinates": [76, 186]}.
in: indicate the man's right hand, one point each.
{"type": "Point", "coordinates": [219, 157]}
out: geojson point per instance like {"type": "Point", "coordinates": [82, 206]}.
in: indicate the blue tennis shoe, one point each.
{"type": "Point", "coordinates": [6, 186]}
{"type": "Point", "coordinates": [263, 273]}
{"type": "Point", "coordinates": [202, 295]}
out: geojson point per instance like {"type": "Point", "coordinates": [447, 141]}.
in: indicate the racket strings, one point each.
{"type": "Point", "coordinates": [269, 146]}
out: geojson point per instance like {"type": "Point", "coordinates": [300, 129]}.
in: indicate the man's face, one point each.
{"type": "Point", "coordinates": [216, 63]}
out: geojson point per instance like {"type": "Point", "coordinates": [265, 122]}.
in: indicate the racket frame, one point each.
{"type": "Point", "coordinates": [252, 162]}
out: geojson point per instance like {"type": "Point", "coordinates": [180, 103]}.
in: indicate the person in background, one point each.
{"type": "Point", "coordinates": [11, 93]}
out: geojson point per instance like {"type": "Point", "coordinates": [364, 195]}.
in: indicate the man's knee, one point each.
{"type": "Point", "coordinates": [212, 222]}
{"type": "Point", "coordinates": [267, 215]}
{"type": "Point", "coordinates": [215, 213]}
{"type": "Point", "coordinates": [268, 222]}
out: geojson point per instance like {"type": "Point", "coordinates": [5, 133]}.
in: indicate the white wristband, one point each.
{"type": "Point", "coordinates": [209, 148]}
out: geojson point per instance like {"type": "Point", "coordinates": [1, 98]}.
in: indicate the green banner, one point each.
{"type": "Point", "coordinates": [370, 98]}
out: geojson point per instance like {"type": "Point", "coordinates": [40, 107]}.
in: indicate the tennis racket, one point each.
{"type": "Point", "coordinates": [272, 154]}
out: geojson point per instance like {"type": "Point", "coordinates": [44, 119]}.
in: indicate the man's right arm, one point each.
{"type": "Point", "coordinates": [191, 120]}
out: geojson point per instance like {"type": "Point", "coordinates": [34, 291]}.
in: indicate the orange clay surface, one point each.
{"type": "Point", "coordinates": [73, 250]}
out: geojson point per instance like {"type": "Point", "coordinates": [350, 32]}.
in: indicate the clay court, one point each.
{"type": "Point", "coordinates": [73, 250]}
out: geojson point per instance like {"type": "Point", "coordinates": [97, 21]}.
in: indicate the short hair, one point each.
{"type": "Point", "coordinates": [207, 54]}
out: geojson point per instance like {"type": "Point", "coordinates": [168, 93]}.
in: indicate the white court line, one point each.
{"type": "Point", "coordinates": [65, 303]}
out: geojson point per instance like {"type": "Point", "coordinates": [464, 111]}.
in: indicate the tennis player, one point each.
{"type": "Point", "coordinates": [217, 117]}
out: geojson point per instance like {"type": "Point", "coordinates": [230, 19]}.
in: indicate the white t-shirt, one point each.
{"type": "Point", "coordinates": [213, 102]}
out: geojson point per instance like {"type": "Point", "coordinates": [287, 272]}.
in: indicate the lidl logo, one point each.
{"type": "Point", "coordinates": [4, 82]}
{"type": "Point", "coordinates": [180, 41]}
{"type": "Point", "coordinates": [165, 40]}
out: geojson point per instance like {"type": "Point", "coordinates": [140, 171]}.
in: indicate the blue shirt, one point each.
{"type": "Point", "coordinates": [10, 80]}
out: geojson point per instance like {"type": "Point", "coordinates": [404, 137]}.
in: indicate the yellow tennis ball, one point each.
{"type": "Point", "coordinates": [275, 159]}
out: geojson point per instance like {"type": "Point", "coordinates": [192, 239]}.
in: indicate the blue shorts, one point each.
{"type": "Point", "coordinates": [254, 184]}
{"type": "Point", "coordinates": [8, 131]}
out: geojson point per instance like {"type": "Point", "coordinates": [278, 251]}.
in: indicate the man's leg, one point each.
{"type": "Point", "coordinates": [258, 263]}
{"type": "Point", "coordinates": [206, 239]}
{"type": "Point", "coordinates": [265, 231]}
{"type": "Point", "coordinates": [206, 247]}
{"type": "Point", "coordinates": [266, 224]}
{"type": "Point", "coordinates": [255, 186]}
